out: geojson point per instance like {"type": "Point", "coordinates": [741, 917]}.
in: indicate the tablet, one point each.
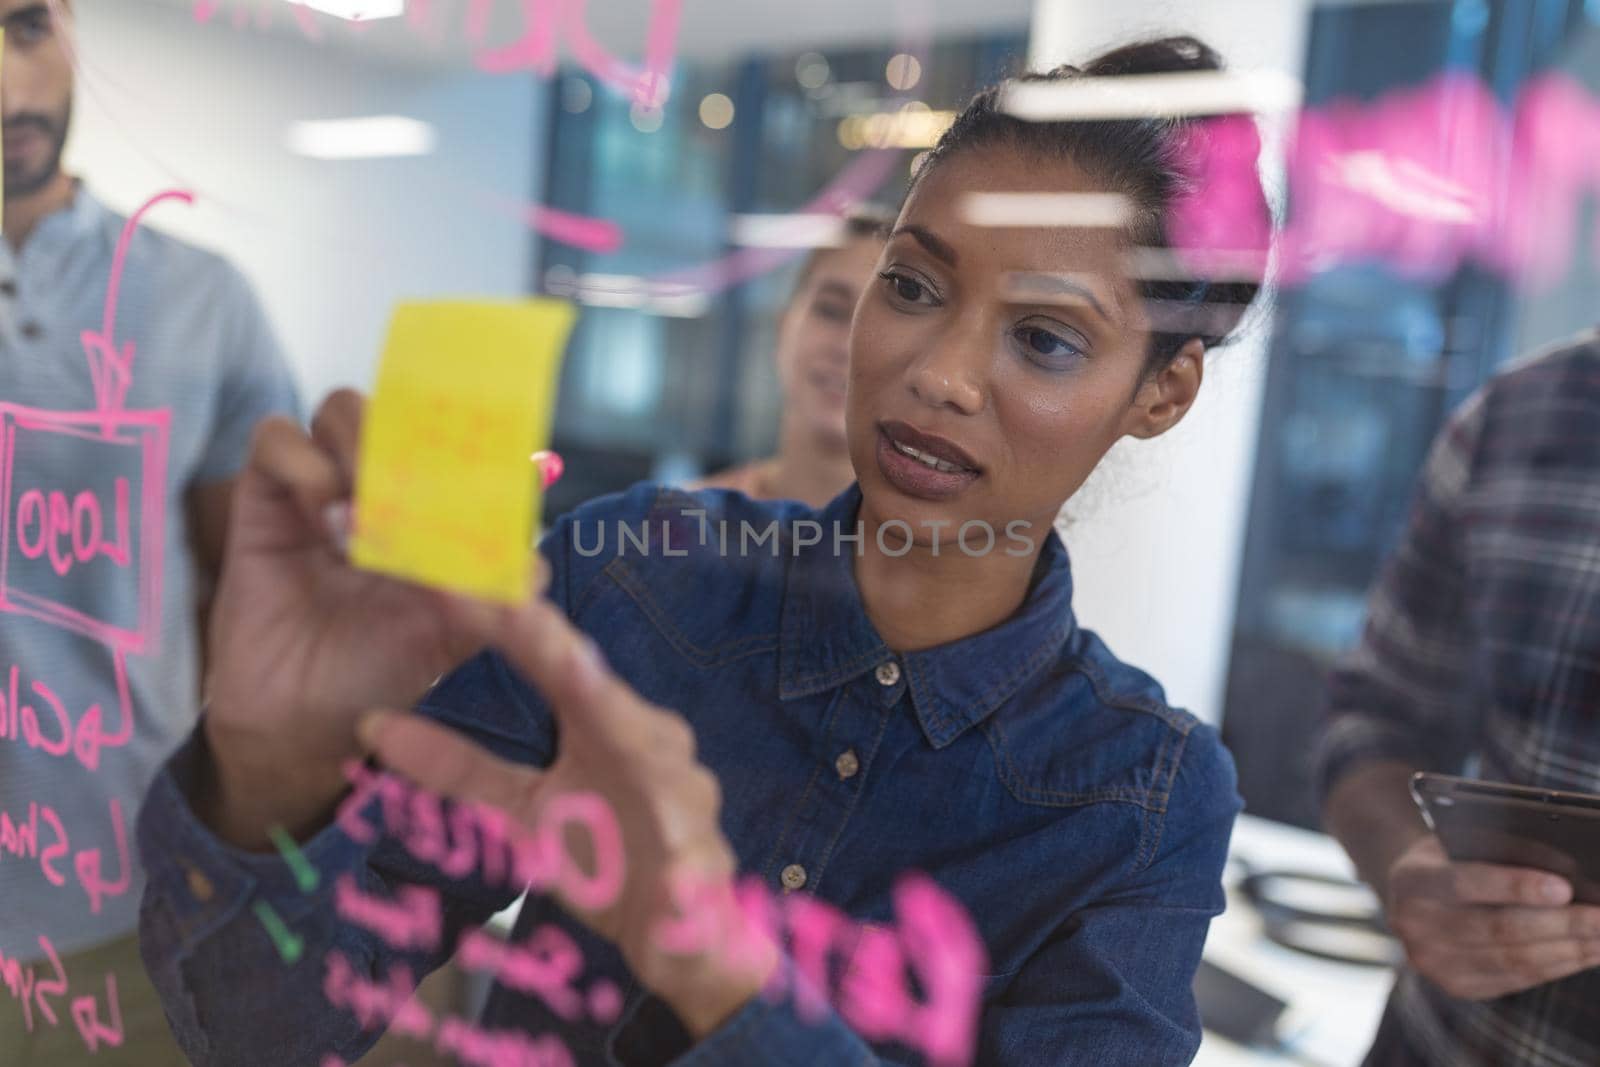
{"type": "Point", "coordinates": [1517, 826]}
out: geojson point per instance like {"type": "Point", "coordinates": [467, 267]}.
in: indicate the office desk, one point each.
{"type": "Point", "coordinates": [1340, 1004]}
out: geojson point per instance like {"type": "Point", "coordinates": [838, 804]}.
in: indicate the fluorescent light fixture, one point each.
{"type": "Point", "coordinates": [787, 231]}
{"type": "Point", "coordinates": [1064, 210]}
{"type": "Point", "coordinates": [356, 10]}
{"type": "Point", "coordinates": [1135, 96]}
{"type": "Point", "coordinates": [1219, 265]}
{"type": "Point", "coordinates": [375, 137]}
{"type": "Point", "coordinates": [628, 292]}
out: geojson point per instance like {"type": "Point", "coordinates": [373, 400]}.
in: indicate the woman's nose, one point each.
{"type": "Point", "coordinates": [949, 376]}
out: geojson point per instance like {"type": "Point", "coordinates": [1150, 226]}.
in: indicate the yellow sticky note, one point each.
{"type": "Point", "coordinates": [446, 492]}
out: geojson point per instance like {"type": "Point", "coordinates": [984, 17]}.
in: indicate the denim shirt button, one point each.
{"type": "Point", "coordinates": [793, 876]}
{"type": "Point", "coordinates": [888, 673]}
{"type": "Point", "coordinates": [847, 764]}
{"type": "Point", "coordinates": [199, 884]}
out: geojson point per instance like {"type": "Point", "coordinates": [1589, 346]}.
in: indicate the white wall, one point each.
{"type": "Point", "coordinates": [1157, 535]}
{"type": "Point", "coordinates": [164, 103]}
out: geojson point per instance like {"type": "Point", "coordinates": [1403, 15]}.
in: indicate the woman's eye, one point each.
{"type": "Point", "coordinates": [907, 288]}
{"type": "Point", "coordinates": [839, 313]}
{"type": "Point", "coordinates": [1046, 347]}
{"type": "Point", "coordinates": [33, 29]}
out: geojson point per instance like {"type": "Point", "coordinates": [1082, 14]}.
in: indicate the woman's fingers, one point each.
{"type": "Point", "coordinates": [586, 698]}
{"type": "Point", "coordinates": [442, 761]}
{"type": "Point", "coordinates": [487, 621]}
{"type": "Point", "coordinates": [336, 428]}
{"type": "Point", "coordinates": [316, 470]}
{"type": "Point", "coordinates": [291, 464]}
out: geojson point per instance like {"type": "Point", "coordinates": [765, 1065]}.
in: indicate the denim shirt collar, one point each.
{"type": "Point", "coordinates": [826, 638]}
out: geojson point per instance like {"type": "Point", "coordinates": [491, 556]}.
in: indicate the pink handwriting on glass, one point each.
{"type": "Point", "coordinates": [936, 940]}
{"type": "Point", "coordinates": [20, 719]}
{"type": "Point", "coordinates": [34, 994]}
{"type": "Point", "coordinates": [21, 839]}
{"type": "Point", "coordinates": [113, 532]}
{"type": "Point", "coordinates": [1423, 180]}
{"type": "Point", "coordinates": [543, 22]}
{"type": "Point", "coordinates": [72, 527]}
{"type": "Point", "coordinates": [546, 967]}
{"type": "Point", "coordinates": [935, 943]}
{"type": "Point", "coordinates": [391, 1003]}
{"type": "Point", "coordinates": [483, 839]}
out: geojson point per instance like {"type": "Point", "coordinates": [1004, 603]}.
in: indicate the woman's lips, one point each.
{"type": "Point", "coordinates": [915, 476]}
{"type": "Point", "coordinates": [930, 445]}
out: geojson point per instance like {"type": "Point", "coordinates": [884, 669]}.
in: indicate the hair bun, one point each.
{"type": "Point", "coordinates": [1164, 55]}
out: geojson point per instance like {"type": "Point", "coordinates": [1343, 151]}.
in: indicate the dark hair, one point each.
{"type": "Point", "coordinates": [859, 223]}
{"type": "Point", "coordinates": [1142, 158]}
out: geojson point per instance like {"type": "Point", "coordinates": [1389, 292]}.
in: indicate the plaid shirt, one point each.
{"type": "Point", "coordinates": [1482, 650]}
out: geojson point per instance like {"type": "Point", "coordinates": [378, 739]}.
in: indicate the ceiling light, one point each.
{"type": "Point", "coordinates": [811, 71]}
{"type": "Point", "coordinates": [907, 128]}
{"type": "Point", "coordinates": [716, 111]}
{"type": "Point", "coordinates": [375, 137]}
{"type": "Point", "coordinates": [1030, 210]}
{"type": "Point", "coordinates": [645, 119]}
{"type": "Point", "coordinates": [903, 72]}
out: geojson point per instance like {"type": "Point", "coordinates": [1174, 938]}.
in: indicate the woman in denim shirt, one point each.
{"type": "Point", "coordinates": [822, 711]}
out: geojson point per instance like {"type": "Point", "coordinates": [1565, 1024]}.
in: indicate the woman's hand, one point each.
{"type": "Point", "coordinates": [640, 760]}
{"type": "Point", "coordinates": [302, 643]}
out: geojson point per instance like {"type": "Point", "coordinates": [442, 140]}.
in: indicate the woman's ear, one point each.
{"type": "Point", "coordinates": [1165, 397]}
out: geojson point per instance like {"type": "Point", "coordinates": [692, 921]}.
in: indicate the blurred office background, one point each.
{"type": "Point", "coordinates": [1230, 559]}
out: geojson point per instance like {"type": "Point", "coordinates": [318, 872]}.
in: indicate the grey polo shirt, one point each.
{"type": "Point", "coordinates": [97, 579]}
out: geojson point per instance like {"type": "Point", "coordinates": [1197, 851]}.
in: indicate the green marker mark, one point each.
{"type": "Point", "coordinates": [289, 945]}
{"type": "Point", "coordinates": [305, 875]}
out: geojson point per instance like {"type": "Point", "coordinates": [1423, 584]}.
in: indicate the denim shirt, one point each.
{"type": "Point", "coordinates": [1038, 780]}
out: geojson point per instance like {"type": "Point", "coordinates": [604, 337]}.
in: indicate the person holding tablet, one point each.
{"type": "Point", "coordinates": [1482, 654]}
{"type": "Point", "coordinates": [856, 701]}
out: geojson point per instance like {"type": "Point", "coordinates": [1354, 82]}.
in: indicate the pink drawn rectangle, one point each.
{"type": "Point", "coordinates": [145, 433]}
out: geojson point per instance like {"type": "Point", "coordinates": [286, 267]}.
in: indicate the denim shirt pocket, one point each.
{"type": "Point", "coordinates": [708, 632]}
{"type": "Point", "coordinates": [1126, 749]}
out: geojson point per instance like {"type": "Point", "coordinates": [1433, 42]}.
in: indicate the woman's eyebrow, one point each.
{"type": "Point", "coordinates": [1024, 287]}
{"type": "Point", "coordinates": [939, 248]}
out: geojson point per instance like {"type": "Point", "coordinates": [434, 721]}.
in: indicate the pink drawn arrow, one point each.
{"type": "Point", "coordinates": [111, 369]}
